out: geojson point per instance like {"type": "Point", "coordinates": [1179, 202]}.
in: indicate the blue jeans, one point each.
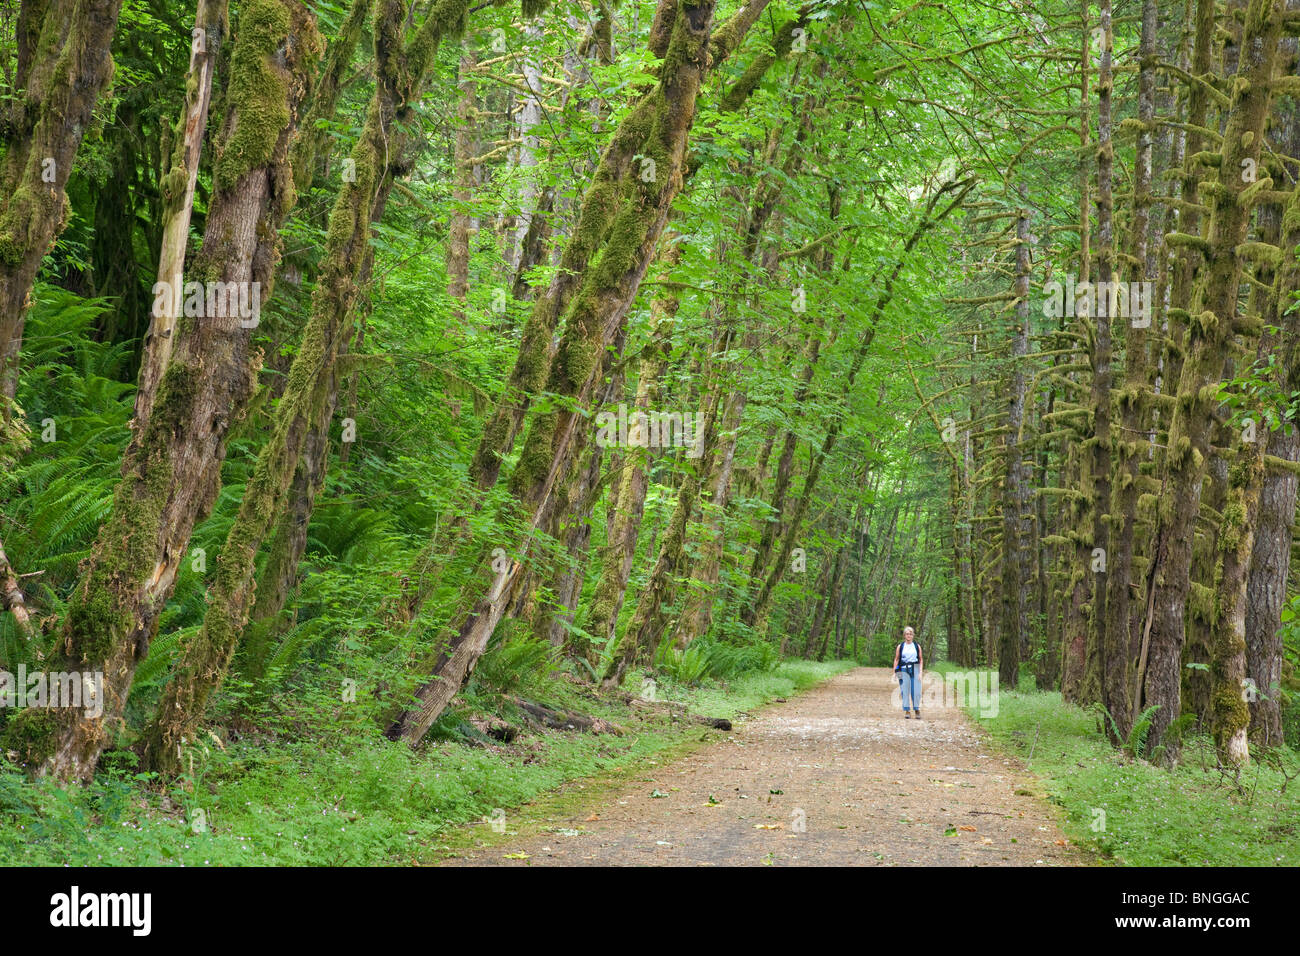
{"type": "Point", "coordinates": [910, 684]}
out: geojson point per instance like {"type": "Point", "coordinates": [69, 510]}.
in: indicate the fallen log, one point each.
{"type": "Point", "coordinates": [565, 719]}
{"type": "Point", "coordinates": [677, 710]}
{"type": "Point", "coordinates": [495, 728]}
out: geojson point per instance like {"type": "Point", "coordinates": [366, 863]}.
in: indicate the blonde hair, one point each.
{"type": "Point", "coordinates": [909, 630]}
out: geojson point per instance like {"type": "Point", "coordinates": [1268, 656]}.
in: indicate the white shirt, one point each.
{"type": "Point", "coordinates": [909, 653]}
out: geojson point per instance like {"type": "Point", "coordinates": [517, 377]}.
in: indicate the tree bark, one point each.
{"type": "Point", "coordinates": [178, 203]}
{"type": "Point", "coordinates": [1015, 484]}
{"type": "Point", "coordinates": [402, 69]}
{"type": "Point", "coordinates": [171, 474]}
{"type": "Point", "coordinates": [66, 70]}
{"type": "Point", "coordinates": [627, 211]}
{"type": "Point", "coordinates": [1208, 340]}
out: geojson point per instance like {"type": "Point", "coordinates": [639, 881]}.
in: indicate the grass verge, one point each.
{"type": "Point", "coordinates": [1136, 814]}
{"type": "Point", "coordinates": [349, 797]}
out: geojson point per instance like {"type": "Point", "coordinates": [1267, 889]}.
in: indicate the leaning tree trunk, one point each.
{"type": "Point", "coordinates": [646, 629]}
{"type": "Point", "coordinates": [172, 471]}
{"type": "Point", "coordinates": [66, 70]}
{"type": "Point", "coordinates": [178, 203]}
{"type": "Point", "coordinates": [619, 554]}
{"type": "Point", "coordinates": [401, 72]}
{"type": "Point", "coordinates": [623, 214]}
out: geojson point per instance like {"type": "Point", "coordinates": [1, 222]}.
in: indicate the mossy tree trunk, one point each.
{"type": "Point", "coordinates": [596, 217]}
{"type": "Point", "coordinates": [1102, 655]}
{"type": "Point", "coordinates": [1197, 690]}
{"type": "Point", "coordinates": [633, 481]}
{"type": "Point", "coordinates": [280, 574]}
{"type": "Point", "coordinates": [310, 156]}
{"type": "Point", "coordinates": [62, 68]}
{"type": "Point", "coordinates": [622, 217]}
{"type": "Point", "coordinates": [646, 629]}
{"type": "Point", "coordinates": [1074, 637]}
{"type": "Point", "coordinates": [1230, 714]}
{"type": "Point", "coordinates": [1209, 339]}
{"type": "Point", "coordinates": [1135, 397]}
{"type": "Point", "coordinates": [178, 202]}
{"type": "Point", "coordinates": [1270, 553]}
{"type": "Point", "coordinates": [402, 68]}
{"type": "Point", "coordinates": [537, 354]}
{"type": "Point", "coordinates": [171, 473]}
{"type": "Point", "coordinates": [1015, 479]}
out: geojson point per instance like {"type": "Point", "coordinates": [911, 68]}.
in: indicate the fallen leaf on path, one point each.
{"type": "Point", "coordinates": [769, 826]}
{"type": "Point", "coordinates": [592, 819]}
{"type": "Point", "coordinates": [967, 829]}
{"type": "Point", "coordinates": [516, 856]}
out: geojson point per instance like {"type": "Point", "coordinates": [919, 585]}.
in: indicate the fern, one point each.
{"type": "Point", "coordinates": [514, 660]}
{"type": "Point", "coordinates": [162, 652]}
{"type": "Point", "coordinates": [291, 647]}
{"type": "Point", "coordinates": [1137, 737]}
{"type": "Point", "coordinates": [1099, 711]}
{"type": "Point", "coordinates": [1173, 736]}
{"type": "Point", "coordinates": [59, 487]}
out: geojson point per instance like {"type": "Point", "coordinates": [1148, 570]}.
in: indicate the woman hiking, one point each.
{"type": "Point", "coordinates": [907, 665]}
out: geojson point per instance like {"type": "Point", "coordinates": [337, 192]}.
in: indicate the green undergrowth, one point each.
{"type": "Point", "coordinates": [1136, 814]}
{"type": "Point", "coordinates": [346, 796]}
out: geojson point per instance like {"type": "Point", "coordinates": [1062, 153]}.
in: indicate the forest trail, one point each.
{"type": "Point", "coordinates": [870, 788]}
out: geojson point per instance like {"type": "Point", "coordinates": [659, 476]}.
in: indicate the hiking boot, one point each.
{"type": "Point", "coordinates": [907, 715]}
{"type": "Point", "coordinates": [918, 715]}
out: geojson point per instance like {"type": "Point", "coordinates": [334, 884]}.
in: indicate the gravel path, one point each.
{"type": "Point", "coordinates": [834, 776]}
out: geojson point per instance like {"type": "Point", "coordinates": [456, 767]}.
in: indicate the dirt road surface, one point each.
{"type": "Point", "coordinates": [834, 776]}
